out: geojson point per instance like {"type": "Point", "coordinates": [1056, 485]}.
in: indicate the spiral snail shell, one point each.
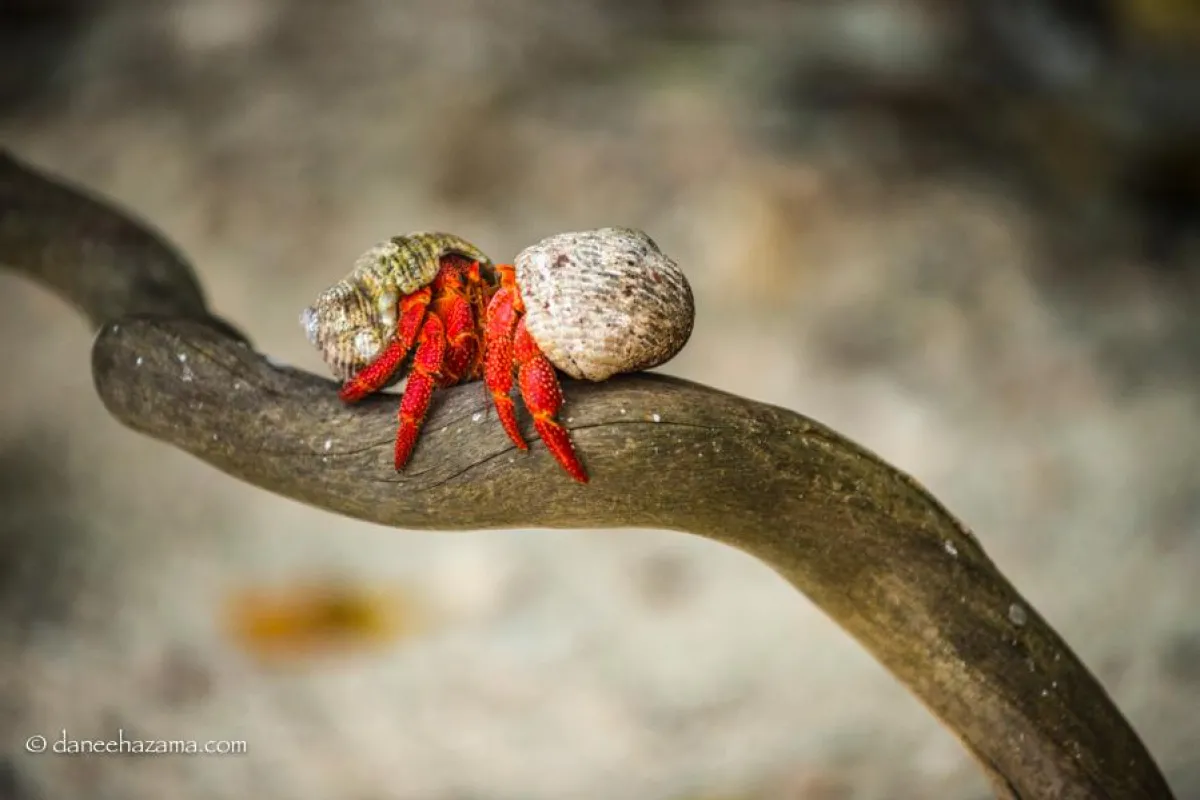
{"type": "Point", "coordinates": [604, 301]}
{"type": "Point", "coordinates": [352, 321]}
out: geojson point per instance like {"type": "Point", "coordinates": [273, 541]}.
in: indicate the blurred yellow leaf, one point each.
{"type": "Point", "coordinates": [319, 617]}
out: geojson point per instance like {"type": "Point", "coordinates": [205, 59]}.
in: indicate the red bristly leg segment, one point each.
{"type": "Point", "coordinates": [480, 294]}
{"type": "Point", "coordinates": [426, 369]}
{"type": "Point", "coordinates": [498, 357]}
{"type": "Point", "coordinates": [462, 340]}
{"type": "Point", "coordinates": [375, 375]}
{"type": "Point", "coordinates": [543, 397]}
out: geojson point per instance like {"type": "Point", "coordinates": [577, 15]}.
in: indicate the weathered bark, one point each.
{"type": "Point", "coordinates": [861, 539]}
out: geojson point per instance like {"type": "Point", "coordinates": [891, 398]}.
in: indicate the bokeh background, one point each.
{"type": "Point", "coordinates": [966, 234]}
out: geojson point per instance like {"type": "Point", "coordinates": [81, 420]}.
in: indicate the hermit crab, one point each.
{"type": "Point", "coordinates": [590, 304]}
{"type": "Point", "coordinates": [423, 290]}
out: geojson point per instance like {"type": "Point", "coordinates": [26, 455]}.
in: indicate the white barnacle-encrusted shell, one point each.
{"type": "Point", "coordinates": [604, 301]}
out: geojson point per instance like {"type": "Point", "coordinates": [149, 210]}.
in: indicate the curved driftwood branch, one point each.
{"type": "Point", "coordinates": [864, 541]}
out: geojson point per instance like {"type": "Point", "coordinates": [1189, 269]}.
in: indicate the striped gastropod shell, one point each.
{"type": "Point", "coordinates": [352, 322]}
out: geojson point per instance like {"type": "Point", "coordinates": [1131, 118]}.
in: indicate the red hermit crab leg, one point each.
{"type": "Point", "coordinates": [460, 286]}
{"type": "Point", "coordinates": [543, 397]}
{"type": "Point", "coordinates": [510, 346]}
{"type": "Point", "coordinates": [446, 349]}
{"type": "Point", "coordinates": [376, 374]}
{"type": "Point", "coordinates": [502, 314]}
{"type": "Point", "coordinates": [426, 368]}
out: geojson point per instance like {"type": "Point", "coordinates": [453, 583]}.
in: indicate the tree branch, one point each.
{"type": "Point", "coordinates": [861, 539]}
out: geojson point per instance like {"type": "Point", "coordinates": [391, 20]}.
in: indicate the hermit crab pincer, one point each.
{"type": "Point", "coordinates": [591, 304]}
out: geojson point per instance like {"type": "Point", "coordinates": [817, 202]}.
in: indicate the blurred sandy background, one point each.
{"type": "Point", "coordinates": [966, 235]}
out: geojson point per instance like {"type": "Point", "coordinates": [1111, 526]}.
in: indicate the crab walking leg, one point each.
{"type": "Point", "coordinates": [502, 315]}
{"type": "Point", "coordinates": [543, 397]}
{"type": "Point", "coordinates": [427, 367]}
{"type": "Point", "coordinates": [462, 338]}
{"type": "Point", "coordinates": [375, 375]}
{"type": "Point", "coordinates": [479, 294]}
{"type": "Point", "coordinates": [461, 344]}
